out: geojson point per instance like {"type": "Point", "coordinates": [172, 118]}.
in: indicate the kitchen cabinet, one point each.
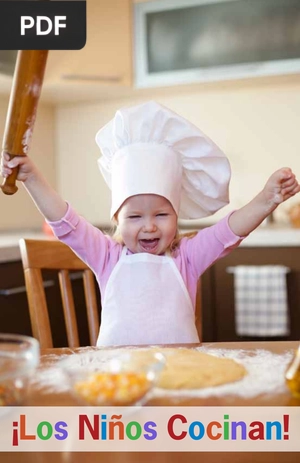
{"type": "Point", "coordinates": [218, 292]}
{"type": "Point", "coordinates": [107, 56]}
{"type": "Point", "coordinates": [14, 311]}
{"type": "Point", "coordinates": [14, 314]}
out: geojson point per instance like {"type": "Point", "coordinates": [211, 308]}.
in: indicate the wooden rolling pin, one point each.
{"type": "Point", "coordinates": [22, 108]}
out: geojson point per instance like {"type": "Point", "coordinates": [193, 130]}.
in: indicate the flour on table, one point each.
{"type": "Point", "coordinates": [265, 371]}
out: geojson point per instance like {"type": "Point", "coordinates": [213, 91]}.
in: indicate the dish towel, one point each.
{"type": "Point", "coordinates": [261, 303]}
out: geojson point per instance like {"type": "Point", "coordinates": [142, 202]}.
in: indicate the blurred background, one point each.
{"type": "Point", "coordinates": [231, 67]}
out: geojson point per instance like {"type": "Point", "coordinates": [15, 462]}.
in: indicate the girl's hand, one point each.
{"type": "Point", "coordinates": [281, 186]}
{"type": "Point", "coordinates": [47, 200]}
{"type": "Point", "coordinates": [26, 166]}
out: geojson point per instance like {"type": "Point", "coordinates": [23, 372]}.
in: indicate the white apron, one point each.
{"type": "Point", "coordinates": [146, 302]}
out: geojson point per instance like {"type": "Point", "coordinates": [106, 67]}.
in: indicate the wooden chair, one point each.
{"type": "Point", "coordinates": [38, 255]}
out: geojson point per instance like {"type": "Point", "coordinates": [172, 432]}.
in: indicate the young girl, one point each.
{"type": "Point", "coordinates": [159, 167]}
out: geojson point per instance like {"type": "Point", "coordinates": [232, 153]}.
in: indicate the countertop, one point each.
{"type": "Point", "coordinates": [9, 243]}
{"type": "Point", "coordinates": [274, 235]}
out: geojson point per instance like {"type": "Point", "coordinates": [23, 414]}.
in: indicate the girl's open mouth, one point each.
{"type": "Point", "coordinates": [149, 245]}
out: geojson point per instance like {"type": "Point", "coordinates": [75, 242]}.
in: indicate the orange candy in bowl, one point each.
{"type": "Point", "coordinates": [120, 381]}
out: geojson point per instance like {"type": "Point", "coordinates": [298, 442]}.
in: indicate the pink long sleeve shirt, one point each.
{"type": "Point", "coordinates": [101, 253]}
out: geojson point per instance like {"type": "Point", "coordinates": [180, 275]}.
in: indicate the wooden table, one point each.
{"type": "Point", "coordinates": [37, 398]}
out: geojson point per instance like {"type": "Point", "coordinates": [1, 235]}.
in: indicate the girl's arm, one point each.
{"type": "Point", "coordinates": [281, 186]}
{"type": "Point", "coordinates": [47, 200]}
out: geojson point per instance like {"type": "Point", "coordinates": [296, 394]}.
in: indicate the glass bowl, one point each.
{"type": "Point", "coordinates": [107, 379]}
{"type": "Point", "coordinates": [19, 357]}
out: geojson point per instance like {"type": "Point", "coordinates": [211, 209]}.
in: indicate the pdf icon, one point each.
{"type": "Point", "coordinates": [42, 24]}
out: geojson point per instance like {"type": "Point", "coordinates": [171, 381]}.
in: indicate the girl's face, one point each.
{"type": "Point", "coordinates": [147, 223]}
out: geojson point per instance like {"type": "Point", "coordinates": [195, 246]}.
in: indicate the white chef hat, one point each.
{"type": "Point", "coordinates": [150, 149]}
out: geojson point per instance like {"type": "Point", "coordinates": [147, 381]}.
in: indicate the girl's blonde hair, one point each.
{"type": "Point", "coordinates": [178, 237]}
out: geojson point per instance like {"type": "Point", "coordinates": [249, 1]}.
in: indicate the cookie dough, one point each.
{"type": "Point", "coordinates": [191, 369]}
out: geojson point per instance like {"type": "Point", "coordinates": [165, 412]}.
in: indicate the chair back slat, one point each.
{"type": "Point", "coordinates": [69, 308]}
{"type": "Point", "coordinates": [40, 322]}
{"type": "Point", "coordinates": [91, 305]}
{"type": "Point", "coordinates": [38, 255]}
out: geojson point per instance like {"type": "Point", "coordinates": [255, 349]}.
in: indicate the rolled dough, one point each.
{"type": "Point", "coordinates": [191, 369]}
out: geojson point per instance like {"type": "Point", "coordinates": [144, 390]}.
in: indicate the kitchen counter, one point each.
{"type": "Point", "coordinates": [273, 236]}
{"type": "Point", "coordinates": [265, 236]}
{"type": "Point", "coordinates": [9, 243]}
